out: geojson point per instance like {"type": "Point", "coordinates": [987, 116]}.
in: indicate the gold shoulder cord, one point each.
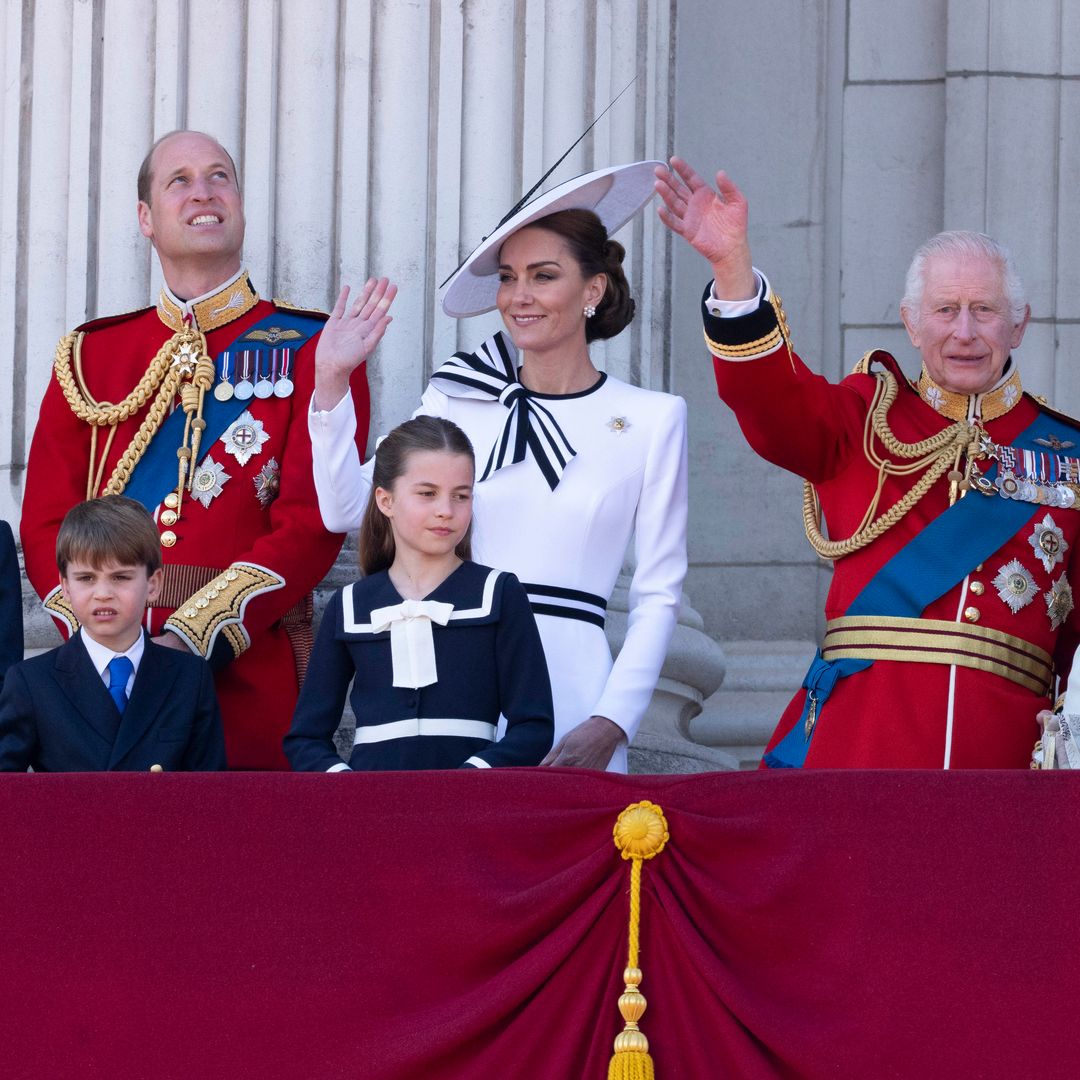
{"type": "Point", "coordinates": [184, 354]}
{"type": "Point", "coordinates": [931, 456]}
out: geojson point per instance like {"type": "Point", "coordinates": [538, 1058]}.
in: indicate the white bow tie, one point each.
{"type": "Point", "coordinates": [412, 647]}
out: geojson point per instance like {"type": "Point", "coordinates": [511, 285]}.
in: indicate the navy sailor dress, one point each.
{"type": "Point", "coordinates": [489, 661]}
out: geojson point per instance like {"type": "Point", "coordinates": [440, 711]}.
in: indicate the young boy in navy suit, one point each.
{"type": "Point", "coordinates": [110, 698]}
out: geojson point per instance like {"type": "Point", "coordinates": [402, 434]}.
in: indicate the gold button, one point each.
{"type": "Point", "coordinates": [977, 588]}
{"type": "Point", "coordinates": [168, 538]}
{"type": "Point", "coordinates": [971, 614]}
{"type": "Point", "coordinates": [168, 517]}
{"type": "Point", "coordinates": [978, 569]}
{"type": "Point", "coordinates": [202, 602]}
{"type": "Point", "coordinates": [172, 500]}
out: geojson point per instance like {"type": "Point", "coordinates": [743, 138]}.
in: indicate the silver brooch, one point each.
{"type": "Point", "coordinates": [1049, 543]}
{"type": "Point", "coordinates": [1015, 585]}
{"type": "Point", "coordinates": [245, 437]}
{"type": "Point", "coordinates": [618, 424]}
{"type": "Point", "coordinates": [209, 479]}
{"type": "Point", "coordinates": [268, 482]}
{"type": "Point", "coordinates": [1059, 602]}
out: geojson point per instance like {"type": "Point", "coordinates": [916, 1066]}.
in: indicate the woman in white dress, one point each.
{"type": "Point", "coordinates": [574, 462]}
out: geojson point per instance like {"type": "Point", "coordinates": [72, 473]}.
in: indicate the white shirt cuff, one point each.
{"type": "Point", "coordinates": [732, 309]}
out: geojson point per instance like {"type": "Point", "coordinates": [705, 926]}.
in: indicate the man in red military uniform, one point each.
{"type": "Point", "coordinates": [951, 501]}
{"type": "Point", "coordinates": [196, 407]}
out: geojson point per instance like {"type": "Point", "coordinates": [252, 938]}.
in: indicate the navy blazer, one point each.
{"type": "Point", "coordinates": [11, 614]}
{"type": "Point", "coordinates": [57, 716]}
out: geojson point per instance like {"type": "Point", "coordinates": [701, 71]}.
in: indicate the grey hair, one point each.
{"type": "Point", "coordinates": [964, 244]}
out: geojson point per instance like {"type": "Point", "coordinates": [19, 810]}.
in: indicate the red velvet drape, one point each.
{"type": "Point", "coordinates": [473, 924]}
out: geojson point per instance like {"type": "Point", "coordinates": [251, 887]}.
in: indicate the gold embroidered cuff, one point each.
{"type": "Point", "coordinates": [937, 641]}
{"type": "Point", "coordinates": [55, 604]}
{"type": "Point", "coordinates": [750, 351]}
{"type": "Point", "coordinates": [219, 608]}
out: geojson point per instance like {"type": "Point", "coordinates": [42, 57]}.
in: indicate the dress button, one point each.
{"type": "Point", "coordinates": [971, 614]}
{"type": "Point", "coordinates": [168, 538]}
{"type": "Point", "coordinates": [977, 588]}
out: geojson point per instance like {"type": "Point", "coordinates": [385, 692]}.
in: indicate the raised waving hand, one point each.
{"type": "Point", "coordinates": [712, 221]}
{"type": "Point", "coordinates": [349, 338]}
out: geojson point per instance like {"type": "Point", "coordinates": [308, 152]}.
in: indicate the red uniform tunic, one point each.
{"type": "Point", "coordinates": [903, 714]}
{"type": "Point", "coordinates": [263, 529]}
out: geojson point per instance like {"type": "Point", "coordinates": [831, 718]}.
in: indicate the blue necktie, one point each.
{"type": "Point", "coordinates": [120, 669]}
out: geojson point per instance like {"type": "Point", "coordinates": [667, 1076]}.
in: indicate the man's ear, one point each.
{"type": "Point", "coordinates": [1019, 328]}
{"type": "Point", "coordinates": [911, 325]}
{"type": "Point", "coordinates": [146, 220]}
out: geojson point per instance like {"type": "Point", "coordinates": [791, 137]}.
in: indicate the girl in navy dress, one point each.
{"type": "Point", "coordinates": [437, 647]}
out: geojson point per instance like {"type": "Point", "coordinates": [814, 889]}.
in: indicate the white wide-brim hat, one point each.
{"type": "Point", "coordinates": [615, 195]}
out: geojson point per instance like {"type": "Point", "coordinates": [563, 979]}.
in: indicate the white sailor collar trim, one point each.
{"type": "Point", "coordinates": [357, 610]}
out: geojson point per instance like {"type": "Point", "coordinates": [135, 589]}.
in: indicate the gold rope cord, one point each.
{"type": "Point", "coordinates": [640, 833]}
{"type": "Point", "coordinates": [933, 457]}
{"type": "Point", "coordinates": [183, 354]}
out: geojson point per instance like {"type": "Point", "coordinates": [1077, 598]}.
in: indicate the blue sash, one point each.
{"type": "Point", "coordinates": [155, 473]}
{"type": "Point", "coordinates": [930, 564]}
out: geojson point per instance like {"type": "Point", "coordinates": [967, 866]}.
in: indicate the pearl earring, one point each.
{"type": "Point", "coordinates": [590, 311]}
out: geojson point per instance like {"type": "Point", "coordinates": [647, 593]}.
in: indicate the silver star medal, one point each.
{"type": "Point", "coordinates": [1049, 543]}
{"type": "Point", "coordinates": [245, 437]}
{"type": "Point", "coordinates": [1015, 585]}
{"type": "Point", "coordinates": [209, 479]}
{"type": "Point", "coordinates": [1059, 602]}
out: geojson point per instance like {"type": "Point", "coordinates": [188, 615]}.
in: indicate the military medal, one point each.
{"type": "Point", "coordinates": [245, 437]}
{"type": "Point", "coordinates": [1049, 543]}
{"type": "Point", "coordinates": [244, 388]}
{"type": "Point", "coordinates": [209, 479]}
{"type": "Point", "coordinates": [1034, 476]}
{"type": "Point", "coordinates": [224, 389]}
{"type": "Point", "coordinates": [283, 385]}
{"type": "Point", "coordinates": [1015, 585]}
{"type": "Point", "coordinates": [264, 388]}
{"type": "Point", "coordinates": [1059, 602]}
{"type": "Point", "coordinates": [267, 482]}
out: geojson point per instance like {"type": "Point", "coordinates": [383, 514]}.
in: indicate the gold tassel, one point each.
{"type": "Point", "coordinates": [640, 832]}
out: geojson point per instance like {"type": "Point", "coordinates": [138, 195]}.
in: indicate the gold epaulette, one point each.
{"type": "Point", "coordinates": [862, 366]}
{"type": "Point", "coordinates": [55, 603]}
{"type": "Point", "coordinates": [285, 305]}
{"type": "Point", "coordinates": [219, 608]}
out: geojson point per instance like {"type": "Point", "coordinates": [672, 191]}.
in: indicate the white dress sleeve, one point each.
{"type": "Point", "coordinates": [656, 587]}
{"type": "Point", "coordinates": [342, 483]}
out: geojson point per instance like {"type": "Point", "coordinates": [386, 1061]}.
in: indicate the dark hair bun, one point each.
{"type": "Point", "coordinates": [616, 310]}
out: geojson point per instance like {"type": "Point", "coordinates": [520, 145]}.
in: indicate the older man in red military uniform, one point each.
{"type": "Point", "coordinates": [196, 407]}
{"type": "Point", "coordinates": [951, 502]}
